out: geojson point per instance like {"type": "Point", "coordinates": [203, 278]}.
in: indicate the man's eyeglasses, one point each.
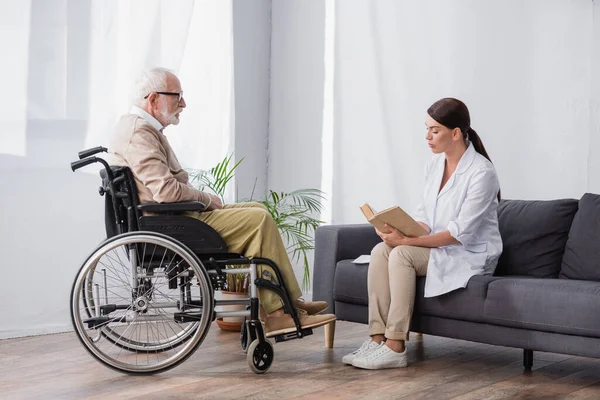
{"type": "Point", "coordinates": [178, 94]}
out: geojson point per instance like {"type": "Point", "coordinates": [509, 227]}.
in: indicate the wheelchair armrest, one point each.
{"type": "Point", "coordinates": [172, 207]}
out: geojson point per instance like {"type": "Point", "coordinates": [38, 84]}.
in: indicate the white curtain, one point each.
{"type": "Point", "coordinates": [68, 67]}
{"type": "Point", "coordinates": [193, 38]}
{"type": "Point", "coordinates": [14, 37]}
{"type": "Point", "coordinates": [526, 70]}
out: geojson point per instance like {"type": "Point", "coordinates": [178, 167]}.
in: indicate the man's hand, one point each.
{"type": "Point", "coordinates": [215, 203]}
{"type": "Point", "coordinates": [392, 237]}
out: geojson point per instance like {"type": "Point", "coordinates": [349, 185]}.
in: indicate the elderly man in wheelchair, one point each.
{"type": "Point", "coordinates": [143, 301]}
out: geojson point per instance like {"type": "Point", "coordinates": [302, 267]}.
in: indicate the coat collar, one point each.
{"type": "Point", "coordinates": [463, 165]}
{"type": "Point", "coordinates": [466, 160]}
{"type": "Point", "coordinates": [146, 117]}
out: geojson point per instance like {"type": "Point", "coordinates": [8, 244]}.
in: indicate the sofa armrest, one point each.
{"type": "Point", "coordinates": [332, 244]}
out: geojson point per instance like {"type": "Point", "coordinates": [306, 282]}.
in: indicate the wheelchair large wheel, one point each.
{"type": "Point", "coordinates": [174, 340]}
{"type": "Point", "coordinates": [142, 303]}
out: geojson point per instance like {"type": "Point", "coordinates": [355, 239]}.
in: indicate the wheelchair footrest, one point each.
{"type": "Point", "coordinates": [188, 316]}
{"type": "Point", "coordinates": [293, 335]}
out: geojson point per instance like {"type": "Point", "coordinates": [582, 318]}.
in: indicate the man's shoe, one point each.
{"type": "Point", "coordinates": [285, 324]}
{"type": "Point", "coordinates": [311, 307]}
{"type": "Point", "coordinates": [381, 358]}
{"type": "Point", "coordinates": [367, 346]}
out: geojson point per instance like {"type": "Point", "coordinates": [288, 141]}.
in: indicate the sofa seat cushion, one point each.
{"type": "Point", "coordinates": [534, 234]}
{"type": "Point", "coordinates": [549, 305]}
{"type": "Point", "coordinates": [464, 304]}
{"type": "Point", "coordinates": [350, 286]}
{"type": "Point", "coordinates": [350, 283]}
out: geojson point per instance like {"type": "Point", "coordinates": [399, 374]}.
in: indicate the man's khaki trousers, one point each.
{"type": "Point", "coordinates": [249, 229]}
{"type": "Point", "coordinates": [392, 280]}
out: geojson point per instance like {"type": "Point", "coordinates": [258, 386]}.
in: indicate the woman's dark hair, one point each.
{"type": "Point", "coordinates": [453, 113]}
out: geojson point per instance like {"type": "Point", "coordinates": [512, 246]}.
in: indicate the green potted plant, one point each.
{"type": "Point", "coordinates": [293, 213]}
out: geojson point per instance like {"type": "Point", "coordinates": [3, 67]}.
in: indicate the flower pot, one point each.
{"type": "Point", "coordinates": [230, 323]}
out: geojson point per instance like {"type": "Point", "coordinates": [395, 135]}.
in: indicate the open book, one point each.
{"type": "Point", "coordinates": [393, 216]}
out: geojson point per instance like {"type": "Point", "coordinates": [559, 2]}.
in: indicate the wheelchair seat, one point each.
{"type": "Point", "coordinates": [124, 213]}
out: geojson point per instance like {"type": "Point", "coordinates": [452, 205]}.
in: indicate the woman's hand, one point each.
{"type": "Point", "coordinates": [427, 228]}
{"type": "Point", "coordinates": [392, 237]}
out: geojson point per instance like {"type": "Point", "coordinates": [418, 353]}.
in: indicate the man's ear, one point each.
{"type": "Point", "coordinates": [153, 100]}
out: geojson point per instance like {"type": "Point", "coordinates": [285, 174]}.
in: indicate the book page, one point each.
{"type": "Point", "coordinates": [364, 259]}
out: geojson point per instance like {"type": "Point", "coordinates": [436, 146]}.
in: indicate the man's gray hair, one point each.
{"type": "Point", "coordinates": [152, 80]}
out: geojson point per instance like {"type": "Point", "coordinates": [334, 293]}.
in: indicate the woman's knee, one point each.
{"type": "Point", "coordinates": [401, 255]}
{"type": "Point", "coordinates": [381, 249]}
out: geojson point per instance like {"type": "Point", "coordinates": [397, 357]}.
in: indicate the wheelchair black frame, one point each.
{"type": "Point", "coordinates": [126, 212]}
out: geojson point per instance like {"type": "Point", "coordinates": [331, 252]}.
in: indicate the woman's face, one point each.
{"type": "Point", "coordinates": [439, 137]}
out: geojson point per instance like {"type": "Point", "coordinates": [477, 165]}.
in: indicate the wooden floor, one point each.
{"type": "Point", "coordinates": [56, 366]}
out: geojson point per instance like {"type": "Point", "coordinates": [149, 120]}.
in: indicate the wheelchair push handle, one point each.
{"type": "Point", "coordinates": [90, 152]}
{"type": "Point", "coordinates": [86, 158]}
{"type": "Point", "coordinates": [75, 165]}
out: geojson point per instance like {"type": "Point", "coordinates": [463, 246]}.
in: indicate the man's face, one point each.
{"type": "Point", "coordinates": [170, 105]}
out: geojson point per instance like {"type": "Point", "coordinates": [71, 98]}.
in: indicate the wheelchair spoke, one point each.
{"type": "Point", "coordinates": [169, 325]}
{"type": "Point", "coordinates": [116, 276]}
{"type": "Point", "coordinates": [121, 264]}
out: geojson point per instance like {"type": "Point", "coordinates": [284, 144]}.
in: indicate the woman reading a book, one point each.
{"type": "Point", "coordinates": [459, 215]}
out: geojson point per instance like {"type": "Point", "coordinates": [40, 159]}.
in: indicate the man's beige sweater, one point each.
{"type": "Point", "coordinates": [159, 177]}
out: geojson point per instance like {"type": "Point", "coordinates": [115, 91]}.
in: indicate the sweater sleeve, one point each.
{"type": "Point", "coordinates": [148, 162]}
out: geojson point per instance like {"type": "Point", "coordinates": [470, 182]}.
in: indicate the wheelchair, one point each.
{"type": "Point", "coordinates": [143, 300]}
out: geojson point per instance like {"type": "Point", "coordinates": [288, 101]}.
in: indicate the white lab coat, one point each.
{"type": "Point", "coordinates": [467, 207]}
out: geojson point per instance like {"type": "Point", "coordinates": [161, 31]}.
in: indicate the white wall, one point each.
{"type": "Point", "coordinates": [297, 77]}
{"type": "Point", "coordinates": [593, 173]}
{"type": "Point", "coordinates": [252, 57]}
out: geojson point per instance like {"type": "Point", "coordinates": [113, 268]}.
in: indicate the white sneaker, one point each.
{"type": "Point", "coordinates": [380, 358]}
{"type": "Point", "coordinates": [365, 348]}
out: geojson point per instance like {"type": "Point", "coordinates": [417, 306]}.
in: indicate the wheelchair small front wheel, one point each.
{"type": "Point", "coordinates": [260, 356]}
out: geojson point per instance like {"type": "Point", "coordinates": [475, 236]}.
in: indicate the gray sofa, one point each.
{"type": "Point", "coordinates": [544, 295]}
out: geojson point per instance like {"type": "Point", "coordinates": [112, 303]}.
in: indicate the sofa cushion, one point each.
{"type": "Point", "coordinates": [350, 286]}
{"type": "Point", "coordinates": [350, 283]}
{"type": "Point", "coordinates": [534, 234]}
{"type": "Point", "coordinates": [465, 304]}
{"type": "Point", "coordinates": [581, 259]}
{"type": "Point", "coordinates": [550, 305]}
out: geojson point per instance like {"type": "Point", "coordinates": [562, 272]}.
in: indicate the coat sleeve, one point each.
{"type": "Point", "coordinates": [480, 200]}
{"type": "Point", "coordinates": [148, 162]}
{"type": "Point", "coordinates": [420, 214]}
